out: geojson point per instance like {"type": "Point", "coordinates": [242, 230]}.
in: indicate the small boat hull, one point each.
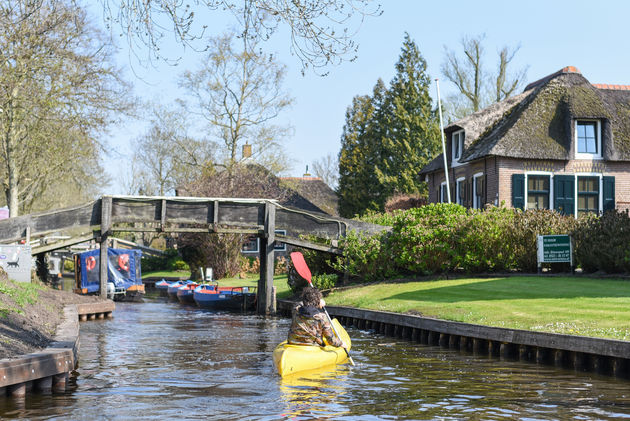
{"type": "Point", "coordinates": [162, 287]}
{"type": "Point", "coordinates": [185, 294]}
{"type": "Point", "coordinates": [225, 299]}
{"type": "Point", "coordinates": [290, 359]}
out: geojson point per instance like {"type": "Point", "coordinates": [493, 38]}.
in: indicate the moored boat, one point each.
{"type": "Point", "coordinates": [225, 298]}
{"type": "Point", "coordinates": [162, 287]}
{"type": "Point", "coordinates": [173, 287]}
{"type": "Point", "coordinates": [185, 293]}
{"type": "Point", "coordinates": [290, 359]}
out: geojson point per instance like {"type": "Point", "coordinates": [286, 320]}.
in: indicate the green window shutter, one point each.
{"type": "Point", "coordinates": [609, 193]}
{"type": "Point", "coordinates": [518, 191]}
{"type": "Point", "coordinates": [564, 194]}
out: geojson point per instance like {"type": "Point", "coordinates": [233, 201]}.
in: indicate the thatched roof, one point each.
{"type": "Point", "coordinates": [311, 193]}
{"type": "Point", "coordinates": [537, 124]}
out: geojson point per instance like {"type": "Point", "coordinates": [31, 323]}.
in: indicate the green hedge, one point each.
{"type": "Point", "coordinates": [170, 261]}
{"type": "Point", "coordinates": [442, 238]}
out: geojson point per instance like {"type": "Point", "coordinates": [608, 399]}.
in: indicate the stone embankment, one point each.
{"type": "Point", "coordinates": [47, 371]}
{"type": "Point", "coordinates": [603, 356]}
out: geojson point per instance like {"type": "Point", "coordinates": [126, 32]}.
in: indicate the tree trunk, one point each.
{"type": "Point", "coordinates": [13, 190]}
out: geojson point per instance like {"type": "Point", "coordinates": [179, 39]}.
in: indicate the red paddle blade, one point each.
{"type": "Point", "coordinates": [301, 266]}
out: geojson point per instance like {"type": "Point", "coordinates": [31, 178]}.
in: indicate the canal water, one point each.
{"type": "Point", "coordinates": [163, 360]}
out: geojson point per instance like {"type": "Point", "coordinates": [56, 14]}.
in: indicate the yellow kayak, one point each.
{"type": "Point", "coordinates": [289, 359]}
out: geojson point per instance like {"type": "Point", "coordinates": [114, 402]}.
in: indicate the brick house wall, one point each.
{"type": "Point", "coordinates": [499, 171]}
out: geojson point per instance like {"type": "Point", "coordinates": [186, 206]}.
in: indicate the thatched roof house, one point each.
{"type": "Point", "coordinates": [562, 144]}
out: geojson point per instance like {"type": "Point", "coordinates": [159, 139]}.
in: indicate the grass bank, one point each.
{"type": "Point", "coordinates": [569, 305]}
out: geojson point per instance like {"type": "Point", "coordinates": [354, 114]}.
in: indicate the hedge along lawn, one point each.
{"type": "Point", "coordinates": [569, 305]}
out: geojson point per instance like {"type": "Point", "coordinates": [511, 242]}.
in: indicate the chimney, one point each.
{"type": "Point", "coordinates": [247, 151]}
{"type": "Point", "coordinates": [306, 174]}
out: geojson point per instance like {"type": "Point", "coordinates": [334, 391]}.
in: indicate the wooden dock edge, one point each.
{"type": "Point", "coordinates": [47, 371]}
{"type": "Point", "coordinates": [603, 356]}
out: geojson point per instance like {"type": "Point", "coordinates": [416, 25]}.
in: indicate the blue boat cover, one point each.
{"type": "Point", "coordinates": [123, 268]}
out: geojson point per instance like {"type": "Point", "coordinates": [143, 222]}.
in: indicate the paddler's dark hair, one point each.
{"type": "Point", "coordinates": [311, 297]}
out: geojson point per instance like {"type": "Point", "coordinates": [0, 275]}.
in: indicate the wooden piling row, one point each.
{"type": "Point", "coordinates": [48, 371]}
{"type": "Point", "coordinates": [603, 356]}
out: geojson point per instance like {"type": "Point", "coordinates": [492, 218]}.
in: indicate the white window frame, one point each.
{"type": "Point", "coordinates": [474, 190]}
{"type": "Point", "coordinates": [461, 137]}
{"type": "Point", "coordinates": [279, 246]}
{"type": "Point", "coordinates": [252, 251]}
{"type": "Point", "coordinates": [441, 195]}
{"type": "Point", "coordinates": [458, 199]}
{"type": "Point", "coordinates": [598, 140]}
{"type": "Point", "coordinates": [550, 174]}
{"type": "Point", "coordinates": [600, 198]}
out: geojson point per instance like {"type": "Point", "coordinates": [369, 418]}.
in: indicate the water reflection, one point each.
{"type": "Point", "coordinates": [161, 360]}
{"type": "Point", "coordinates": [315, 393]}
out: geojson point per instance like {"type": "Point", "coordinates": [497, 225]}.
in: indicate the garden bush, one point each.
{"type": "Point", "coordinates": [521, 235]}
{"type": "Point", "coordinates": [440, 238]}
{"type": "Point", "coordinates": [425, 240]}
{"type": "Point", "coordinates": [170, 261]}
{"type": "Point", "coordinates": [483, 245]}
{"type": "Point", "coordinates": [325, 281]}
{"type": "Point", "coordinates": [603, 243]}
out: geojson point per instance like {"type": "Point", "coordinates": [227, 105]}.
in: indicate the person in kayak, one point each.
{"type": "Point", "coordinates": [309, 324]}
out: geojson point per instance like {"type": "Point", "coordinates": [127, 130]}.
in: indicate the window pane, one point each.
{"type": "Point", "coordinates": [587, 137]}
{"type": "Point", "coordinates": [589, 130]}
{"type": "Point", "coordinates": [588, 184]}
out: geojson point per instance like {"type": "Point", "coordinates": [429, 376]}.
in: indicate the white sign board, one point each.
{"type": "Point", "coordinates": [16, 262]}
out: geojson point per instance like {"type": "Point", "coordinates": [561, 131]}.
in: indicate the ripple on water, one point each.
{"type": "Point", "coordinates": [161, 360]}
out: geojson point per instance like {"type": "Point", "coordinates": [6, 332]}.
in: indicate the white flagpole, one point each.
{"type": "Point", "coordinates": [448, 187]}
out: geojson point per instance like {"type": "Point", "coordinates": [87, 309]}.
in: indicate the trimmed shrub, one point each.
{"type": "Point", "coordinates": [170, 261]}
{"type": "Point", "coordinates": [367, 257]}
{"type": "Point", "coordinates": [425, 240]}
{"type": "Point", "coordinates": [521, 235]}
{"type": "Point", "coordinates": [483, 245]}
{"type": "Point", "coordinates": [325, 281]}
{"type": "Point", "coordinates": [603, 243]}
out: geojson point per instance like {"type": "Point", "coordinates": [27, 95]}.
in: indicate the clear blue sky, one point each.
{"type": "Point", "coordinates": [593, 36]}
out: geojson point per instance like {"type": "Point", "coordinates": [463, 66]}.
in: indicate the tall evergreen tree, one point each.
{"type": "Point", "coordinates": [353, 157]}
{"type": "Point", "coordinates": [411, 133]}
{"type": "Point", "coordinates": [388, 137]}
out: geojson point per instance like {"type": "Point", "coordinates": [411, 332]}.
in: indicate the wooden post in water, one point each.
{"type": "Point", "coordinates": [266, 304]}
{"type": "Point", "coordinates": [106, 223]}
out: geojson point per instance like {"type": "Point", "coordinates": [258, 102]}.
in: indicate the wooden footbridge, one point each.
{"type": "Point", "coordinates": [102, 218]}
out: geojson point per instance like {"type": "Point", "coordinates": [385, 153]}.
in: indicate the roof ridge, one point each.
{"type": "Point", "coordinates": [301, 178]}
{"type": "Point", "coordinates": [564, 70]}
{"type": "Point", "coordinates": [611, 86]}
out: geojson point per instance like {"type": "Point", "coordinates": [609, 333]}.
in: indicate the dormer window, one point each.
{"type": "Point", "coordinates": [588, 139]}
{"type": "Point", "coordinates": [457, 145]}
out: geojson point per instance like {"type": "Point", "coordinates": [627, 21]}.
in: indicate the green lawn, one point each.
{"type": "Point", "coordinates": [571, 305]}
{"type": "Point", "coordinates": [167, 274]}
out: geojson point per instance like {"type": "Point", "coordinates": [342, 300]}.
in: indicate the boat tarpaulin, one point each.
{"type": "Point", "coordinates": [123, 268]}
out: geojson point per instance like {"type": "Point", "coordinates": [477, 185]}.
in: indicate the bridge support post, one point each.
{"type": "Point", "coordinates": [106, 222]}
{"type": "Point", "coordinates": [266, 302]}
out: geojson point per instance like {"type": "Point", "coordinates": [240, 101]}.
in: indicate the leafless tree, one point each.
{"type": "Point", "coordinates": [327, 168]}
{"type": "Point", "coordinates": [477, 86]}
{"type": "Point", "coordinates": [320, 31]}
{"type": "Point", "coordinates": [238, 92]}
{"type": "Point", "coordinates": [58, 90]}
{"type": "Point", "coordinates": [166, 156]}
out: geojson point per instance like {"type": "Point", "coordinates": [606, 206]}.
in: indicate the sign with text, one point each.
{"type": "Point", "coordinates": [555, 249]}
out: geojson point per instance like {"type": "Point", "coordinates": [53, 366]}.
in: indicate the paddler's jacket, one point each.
{"type": "Point", "coordinates": [310, 326]}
